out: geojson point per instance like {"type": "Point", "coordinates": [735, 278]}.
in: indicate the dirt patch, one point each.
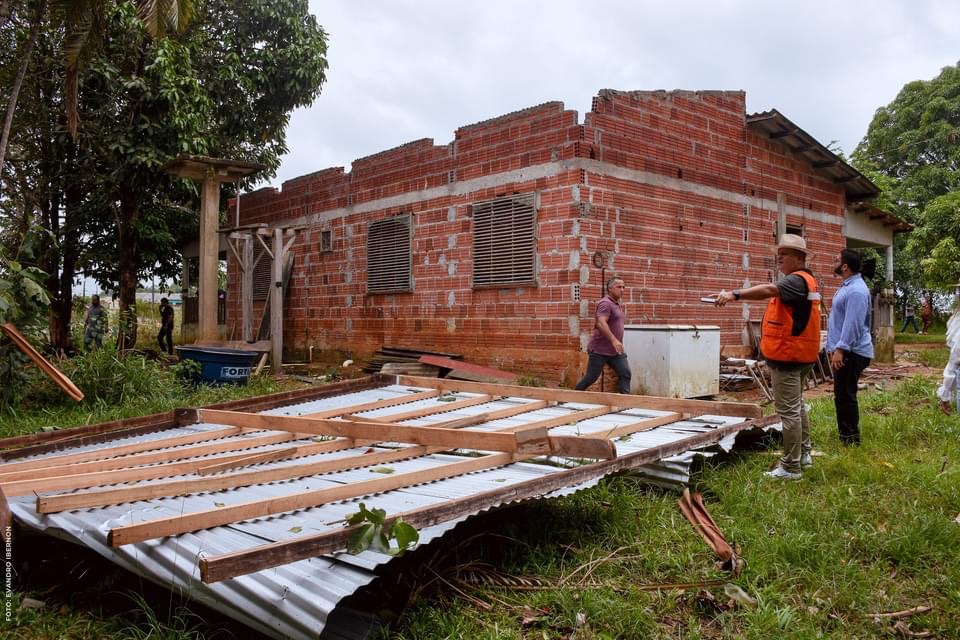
{"type": "Point", "coordinates": [879, 375]}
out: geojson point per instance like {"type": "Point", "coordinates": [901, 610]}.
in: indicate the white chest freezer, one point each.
{"type": "Point", "coordinates": [673, 360]}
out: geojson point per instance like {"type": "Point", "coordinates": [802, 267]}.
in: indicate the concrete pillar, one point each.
{"type": "Point", "coordinates": [209, 252]}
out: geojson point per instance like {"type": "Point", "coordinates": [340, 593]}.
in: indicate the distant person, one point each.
{"type": "Point", "coordinates": [849, 343]}
{"type": "Point", "coordinates": [606, 343]}
{"type": "Point", "coordinates": [948, 391]}
{"type": "Point", "coordinates": [165, 337]}
{"type": "Point", "coordinates": [95, 324]}
{"type": "Point", "coordinates": [926, 315]}
{"type": "Point", "coordinates": [790, 343]}
{"type": "Point", "coordinates": [909, 318]}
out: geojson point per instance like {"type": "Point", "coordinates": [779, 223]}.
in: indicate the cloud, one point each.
{"type": "Point", "coordinates": [404, 70]}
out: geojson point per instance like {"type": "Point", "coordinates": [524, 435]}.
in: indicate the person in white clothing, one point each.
{"type": "Point", "coordinates": [947, 393]}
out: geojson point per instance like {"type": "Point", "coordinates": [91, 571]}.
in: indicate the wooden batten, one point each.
{"type": "Point", "coordinates": [222, 567]}
{"type": "Point", "coordinates": [626, 401]}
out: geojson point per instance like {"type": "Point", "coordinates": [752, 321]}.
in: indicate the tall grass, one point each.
{"type": "Point", "coordinates": [869, 529]}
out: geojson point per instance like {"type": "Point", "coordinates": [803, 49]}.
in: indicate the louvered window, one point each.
{"type": "Point", "coordinates": [504, 241]}
{"type": "Point", "coordinates": [262, 272]}
{"type": "Point", "coordinates": [388, 255]}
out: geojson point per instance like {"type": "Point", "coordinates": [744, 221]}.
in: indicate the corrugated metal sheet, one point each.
{"type": "Point", "coordinates": [296, 600]}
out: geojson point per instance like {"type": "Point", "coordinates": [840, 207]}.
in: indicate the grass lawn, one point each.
{"type": "Point", "coordinates": [869, 529]}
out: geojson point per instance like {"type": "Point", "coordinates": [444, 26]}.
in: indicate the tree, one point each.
{"type": "Point", "coordinates": [81, 21]}
{"type": "Point", "coordinates": [225, 87]}
{"type": "Point", "coordinates": [911, 150]}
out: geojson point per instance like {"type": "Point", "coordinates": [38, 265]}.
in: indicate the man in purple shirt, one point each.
{"type": "Point", "coordinates": [606, 343]}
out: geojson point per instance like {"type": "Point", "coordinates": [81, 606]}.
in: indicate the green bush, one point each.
{"type": "Point", "coordinates": [105, 375]}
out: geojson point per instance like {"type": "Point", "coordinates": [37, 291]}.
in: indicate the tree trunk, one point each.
{"type": "Point", "coordinates": [21, 74]}
{"type": "Point", "coordinates": [128, 249]}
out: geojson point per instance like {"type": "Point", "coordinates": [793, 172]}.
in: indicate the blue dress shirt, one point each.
{"type": "Point", "coordinates": [849, 325]}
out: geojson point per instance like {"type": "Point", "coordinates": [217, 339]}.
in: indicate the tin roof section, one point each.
{"type": "Point", "coordinates": [775, 126]}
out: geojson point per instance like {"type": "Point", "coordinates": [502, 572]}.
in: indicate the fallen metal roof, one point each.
{"type": "Point", "coordinates": [776, 126]}
{"type": "Point", "coordinates": [297, 599]}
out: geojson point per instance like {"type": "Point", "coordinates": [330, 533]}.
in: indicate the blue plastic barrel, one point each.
{"type": "Point", "coordinates": [219, 365]}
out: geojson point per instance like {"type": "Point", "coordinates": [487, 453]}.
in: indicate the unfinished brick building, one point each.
{"type": "Point", "coordinates": [496, 244]}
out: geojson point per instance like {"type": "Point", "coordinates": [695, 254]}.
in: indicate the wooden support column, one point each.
{"type": "Point", "coordinates": [209, 251]}
{"type": "Point", "coordinates": [246, 288]}
{"type": "Point", "coordinates": [276, 302]}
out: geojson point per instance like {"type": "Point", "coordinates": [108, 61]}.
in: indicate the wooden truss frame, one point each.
{"type": "Point", "coordinates": [227, 456]}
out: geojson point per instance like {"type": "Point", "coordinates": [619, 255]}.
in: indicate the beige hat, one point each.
{"type": "Point", "coordinates": [793, 241]}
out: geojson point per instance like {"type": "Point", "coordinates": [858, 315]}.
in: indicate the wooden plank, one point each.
{"type": "Point", "coordinates": [254, 509]}
{"type": "Point", "coordinates": [54, 504]}
{"type": "Point", "coordinates": [83, 462]}
{"type": "Point", "coordinates": [120, 450]}
{"type": "Point", "coordinates": [85, 480]}
{"type": "Point", "coordinates": [690, 407]}
{"type": "Point", "coordinates": [459, 366]}
{"type": "Point", "coordinates": [46, 441]}
{"type": "Point", "coordinates": [161, 527]}
{"type": "Point", "coordinates": [59, 378]}
{"type": "Point", "coordinates": [252, 459]}
{"type": "Point", "coordinates": [441, 407]}
{"type": "Point", "coordinates": [449, 438]}
{"type": "Point", "coordinates": [149, 457]}
{"type": "Point", "coordinates": [246, 289]}
{"type": "Point", "coordinates": [230, 565]}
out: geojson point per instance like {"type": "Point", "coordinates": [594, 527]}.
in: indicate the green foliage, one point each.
{"type": "Point", "coordinates": [530, 381]}
{"type": "Point", "coordinates": [23, 303]}
{"type": "Point", "coordinates": [107, 376]}
{"type": "Point", "coordinates": [223, 87]}
{"type": "Point", "coordinates": [188, 370]}
{"type": "Point", "coordinates": [375, 534]}
{"type": "Point", "coordinates": [911, 151]}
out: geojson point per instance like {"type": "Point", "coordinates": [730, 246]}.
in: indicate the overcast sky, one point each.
{"type": "Point", "coordinates": [401, 70]}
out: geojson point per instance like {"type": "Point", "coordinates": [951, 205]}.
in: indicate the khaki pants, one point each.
{"type": "Point", "coordinates": [788, 398]}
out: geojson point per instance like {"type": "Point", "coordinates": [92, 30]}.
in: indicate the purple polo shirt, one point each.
{"type": "Point", "coordinates": [613, 312]}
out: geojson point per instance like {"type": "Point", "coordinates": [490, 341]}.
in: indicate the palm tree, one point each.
{"type": "Point", "coordinates": [82, 21]}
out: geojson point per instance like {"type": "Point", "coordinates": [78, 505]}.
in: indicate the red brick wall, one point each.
{"type": "Point", "coordinates": [669, 216]}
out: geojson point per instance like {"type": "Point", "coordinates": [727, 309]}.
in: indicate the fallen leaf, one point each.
{"type": "Point", "coordinates": [581, 618]}
{"type": "Point", "coordinates": [382, 470]}
{"type": "Point", "coordinates": [219, 504]}
{"type": "Point", "coordinates": [532, 616]}
{"type": "Point", "coordinates": [370, 450]}
{"type": "Point", "coordinates": [295, 529]}
{"type": "Point", "coordinates": [32, 603]}
{"type": "Point", "coordinates": [737, 594]}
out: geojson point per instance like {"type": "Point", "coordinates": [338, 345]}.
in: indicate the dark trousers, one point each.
{"type": "Point", "coordinates": [165, 338]}
{"type": "Point", "coordinates": [845, 381]}
{"type": "Point", "coordinates": [911, 321]}
{"type": "Point", "coordinates": [595, 367]}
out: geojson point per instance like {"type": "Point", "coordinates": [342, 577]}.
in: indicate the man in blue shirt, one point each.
{"type": "Point", "coordinates": [849, 343]}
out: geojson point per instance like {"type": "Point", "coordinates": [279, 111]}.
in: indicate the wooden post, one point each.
{"type": "Point", "coordinates": [209, 253]}
{"type": "Point", "coordinates": [276, 303]}
{"type": "Point", "coordinates": [246, 288]}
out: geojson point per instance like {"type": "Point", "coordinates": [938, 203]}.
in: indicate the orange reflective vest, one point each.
{"type": "Point", "coordinates": [778, 342]}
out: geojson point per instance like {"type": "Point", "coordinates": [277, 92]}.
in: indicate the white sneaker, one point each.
{"type": "Point", "coordinates": [780, 473]}
{"type": "Point", "coordinates": [806, 460]}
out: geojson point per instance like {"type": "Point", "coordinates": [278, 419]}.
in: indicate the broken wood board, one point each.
{"type": "Point", "coordinates": [467, 371]}
{"type": "Point", "coordinates": [58, 377]}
